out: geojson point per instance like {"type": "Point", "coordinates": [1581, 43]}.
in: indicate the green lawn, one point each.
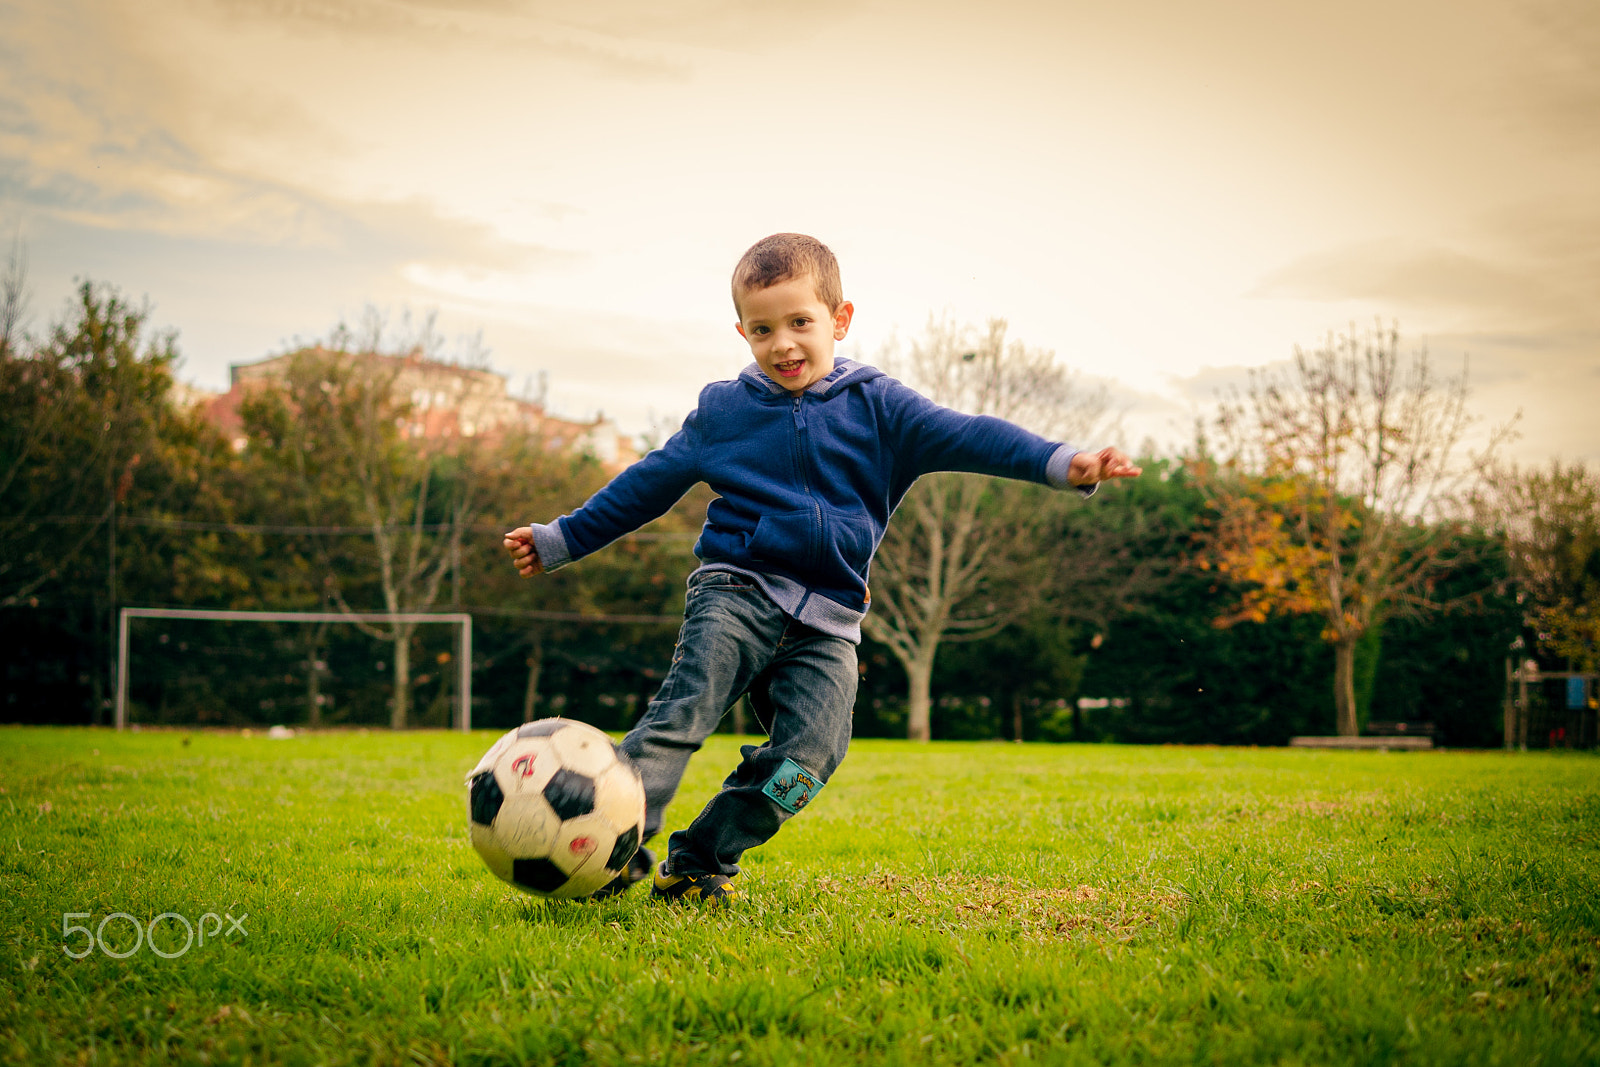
{"type": "Point", "coordinates": [945, 903]}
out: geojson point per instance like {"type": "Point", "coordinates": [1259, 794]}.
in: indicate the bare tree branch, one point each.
{"type": "Point", "coordinates": [350, 456]}
{"type": "Point", "coordinates": [961, 559]}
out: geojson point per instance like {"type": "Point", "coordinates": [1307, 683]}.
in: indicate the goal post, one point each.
{"type": "Point", "coordinates": [461, 619]}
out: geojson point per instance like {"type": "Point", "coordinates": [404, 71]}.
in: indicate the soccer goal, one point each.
{"type": "Point", "coordinates": [462, 620]}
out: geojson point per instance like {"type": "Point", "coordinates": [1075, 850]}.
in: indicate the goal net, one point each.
{"type": "Point", "coordinates": [285, 669]}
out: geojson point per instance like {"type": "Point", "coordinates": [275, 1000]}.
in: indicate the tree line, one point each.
{"type": "Point", "coordinates": [1327, 553]}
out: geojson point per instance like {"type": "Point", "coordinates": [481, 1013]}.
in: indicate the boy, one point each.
{"type": "Point", "coordinates": [809, 456]}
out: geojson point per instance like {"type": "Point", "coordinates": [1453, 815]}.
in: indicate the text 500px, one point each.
{"type": "Point", "coordinates": [210, 927]}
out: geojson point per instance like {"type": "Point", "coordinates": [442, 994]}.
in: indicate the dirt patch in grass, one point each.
{"type": "Point", "coordinates": [1357, 806]}
{"type": "Point", "coordinates": [1037, 911]}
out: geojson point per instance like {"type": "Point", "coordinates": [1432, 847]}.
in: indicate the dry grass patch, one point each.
{"type": "Point", "coordinates": [1038, 911]}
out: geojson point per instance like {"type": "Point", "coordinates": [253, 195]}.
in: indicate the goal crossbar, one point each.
{"type": "Point", "coordinates": [461, 619]}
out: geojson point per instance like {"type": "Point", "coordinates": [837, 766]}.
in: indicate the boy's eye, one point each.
{"type": "Point", "coordinates": [800, 322]}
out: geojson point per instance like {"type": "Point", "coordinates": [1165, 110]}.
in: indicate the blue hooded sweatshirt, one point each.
{"type": "Point", "coordinates": [805, 484]}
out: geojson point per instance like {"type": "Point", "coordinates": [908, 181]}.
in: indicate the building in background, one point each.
{"type": "Point", "coordinates": [445, 401]}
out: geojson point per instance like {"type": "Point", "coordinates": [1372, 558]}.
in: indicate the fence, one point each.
{"type": "Point", "coordinates": [1550, 709]}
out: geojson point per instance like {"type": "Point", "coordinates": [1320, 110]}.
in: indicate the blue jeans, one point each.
{"type": "Point", "coordinates": [803, 683]}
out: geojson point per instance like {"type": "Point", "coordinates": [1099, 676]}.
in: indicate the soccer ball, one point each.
{"type": "Point", "coordinates": [553, 810]}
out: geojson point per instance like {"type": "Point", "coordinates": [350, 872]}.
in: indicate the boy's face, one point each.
{"type": "Point", "coordinates": [792, 332]}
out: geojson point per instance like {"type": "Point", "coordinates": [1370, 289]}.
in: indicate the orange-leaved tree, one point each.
{"type": "Point", "coordinates": [1336, 485]}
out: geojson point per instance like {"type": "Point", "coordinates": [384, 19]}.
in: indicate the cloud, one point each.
{"type": "Point", "coordinates": [1396, 271]}
{"type": "Point", "coordinates": [634, 40]}
{"type": "Point", "coordinates": [114, 142]}
{"type": "Point", "coordinates": [1562, 89]}
{"type": "Point", "coordinates": [178, 197]}
{"type": "Point", "coordinates": [1527, 265]}
{"type": "Point", "coordinates": [1209, 383]}
{"type": "Point", "coordinates": [1534, 270]}
{"type": "Point", "coordinates": [602, 37]}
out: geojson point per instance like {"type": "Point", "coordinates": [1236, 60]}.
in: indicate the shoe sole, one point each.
{"type": "Point", "coordinates": [683, 888]}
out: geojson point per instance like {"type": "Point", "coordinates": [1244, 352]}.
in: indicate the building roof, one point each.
{"type": "Point", "coordinates": [443, 400]}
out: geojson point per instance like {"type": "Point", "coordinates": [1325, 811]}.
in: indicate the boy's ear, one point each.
{"type": "Point", "coordinates": [740, 327]}
{"type": "Point", "coordinates": [841, 320]}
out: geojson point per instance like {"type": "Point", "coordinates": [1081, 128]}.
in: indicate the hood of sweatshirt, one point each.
{"type": "Point", "coordinates": [845, 373]}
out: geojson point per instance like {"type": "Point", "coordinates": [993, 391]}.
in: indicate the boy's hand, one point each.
{"type": "Point", "coordinates": [519, 543]}
{"type": "Point", "coordinates": [1091, 467]}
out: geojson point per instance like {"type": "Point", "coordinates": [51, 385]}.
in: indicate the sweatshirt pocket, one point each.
{"type": "Point", "coordinates": [787, 537]}
{"type": "Point", "coordinates": [852, 538]}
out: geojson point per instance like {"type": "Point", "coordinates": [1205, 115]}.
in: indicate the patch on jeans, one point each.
{"type": "Point", "coordinates": [792, 787]}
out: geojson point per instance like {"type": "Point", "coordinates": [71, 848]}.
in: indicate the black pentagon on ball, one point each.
{"type": "Point", "coordinates": [542, 728]}
{"type": "Point", "coordinates": [570, 794]}
{"type": "Point", "coordinates": [486, 798]}
{"type": "Point", "coordinates": [539, 875]}
{"type": "Point", "coordinates": [627, 844]}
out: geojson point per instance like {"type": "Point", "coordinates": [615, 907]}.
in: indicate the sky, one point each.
{"type": "Point", "coordinates": [1164, 194]}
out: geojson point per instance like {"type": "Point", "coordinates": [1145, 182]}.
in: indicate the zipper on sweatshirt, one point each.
{"type": "Point", "coordinates": [803, 461]}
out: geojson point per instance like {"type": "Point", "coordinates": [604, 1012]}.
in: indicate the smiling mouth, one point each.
{"type": "Point", "coordinates": [789, 368]}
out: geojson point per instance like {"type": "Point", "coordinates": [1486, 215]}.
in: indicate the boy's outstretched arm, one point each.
{"type": "Point", "coordinates": [519, 543]}
{"type": "Point", "coordinates": [935, 438]}
{"type": "Point", "coordinates": [1090, 468]}
{"type": "Point", "coordinates": [644, 491]}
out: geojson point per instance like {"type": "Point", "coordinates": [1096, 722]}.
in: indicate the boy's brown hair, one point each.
{"type": "Point", "coordinates": [788, 255]}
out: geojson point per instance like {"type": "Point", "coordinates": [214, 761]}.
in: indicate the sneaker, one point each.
{"type": "Point", "coordinates": [716, 889]}
{"type": "Point", "coordinates": [639, 868]}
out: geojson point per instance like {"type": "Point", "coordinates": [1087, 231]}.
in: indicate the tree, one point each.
{"type": "Point", "coordinates": [37, 395]}
{"type": "Point", "coordinates": [1448, 668]}
{"type": "Point", "coordinates": [336, 425]}
{"type": "Point", "coordinates": [1337, 489]}
{"type": "Point", "coordinates": [67, 445]}
{"type": "Point", "coordinates": [566, 625]}
{"type": "Point", "coordinates": [1550, 525]}
{"type": "Point", "coordinates": [93, 458]}
{"type": "Point", "coordinates": [14, 301]}
{"type": "Point", "coordinates": [961, 558]}
{"type": "Point", "coordinates": [79, 413]}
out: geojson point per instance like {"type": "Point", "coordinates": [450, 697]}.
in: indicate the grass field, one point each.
{"type": "Point", "coordinates": [946, 903]}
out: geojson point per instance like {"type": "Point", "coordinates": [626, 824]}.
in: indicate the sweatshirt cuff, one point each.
{"type": "Point", "coordinates": [551, 544]}
{"type": "Point", "coordinates": [1058, 471]}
